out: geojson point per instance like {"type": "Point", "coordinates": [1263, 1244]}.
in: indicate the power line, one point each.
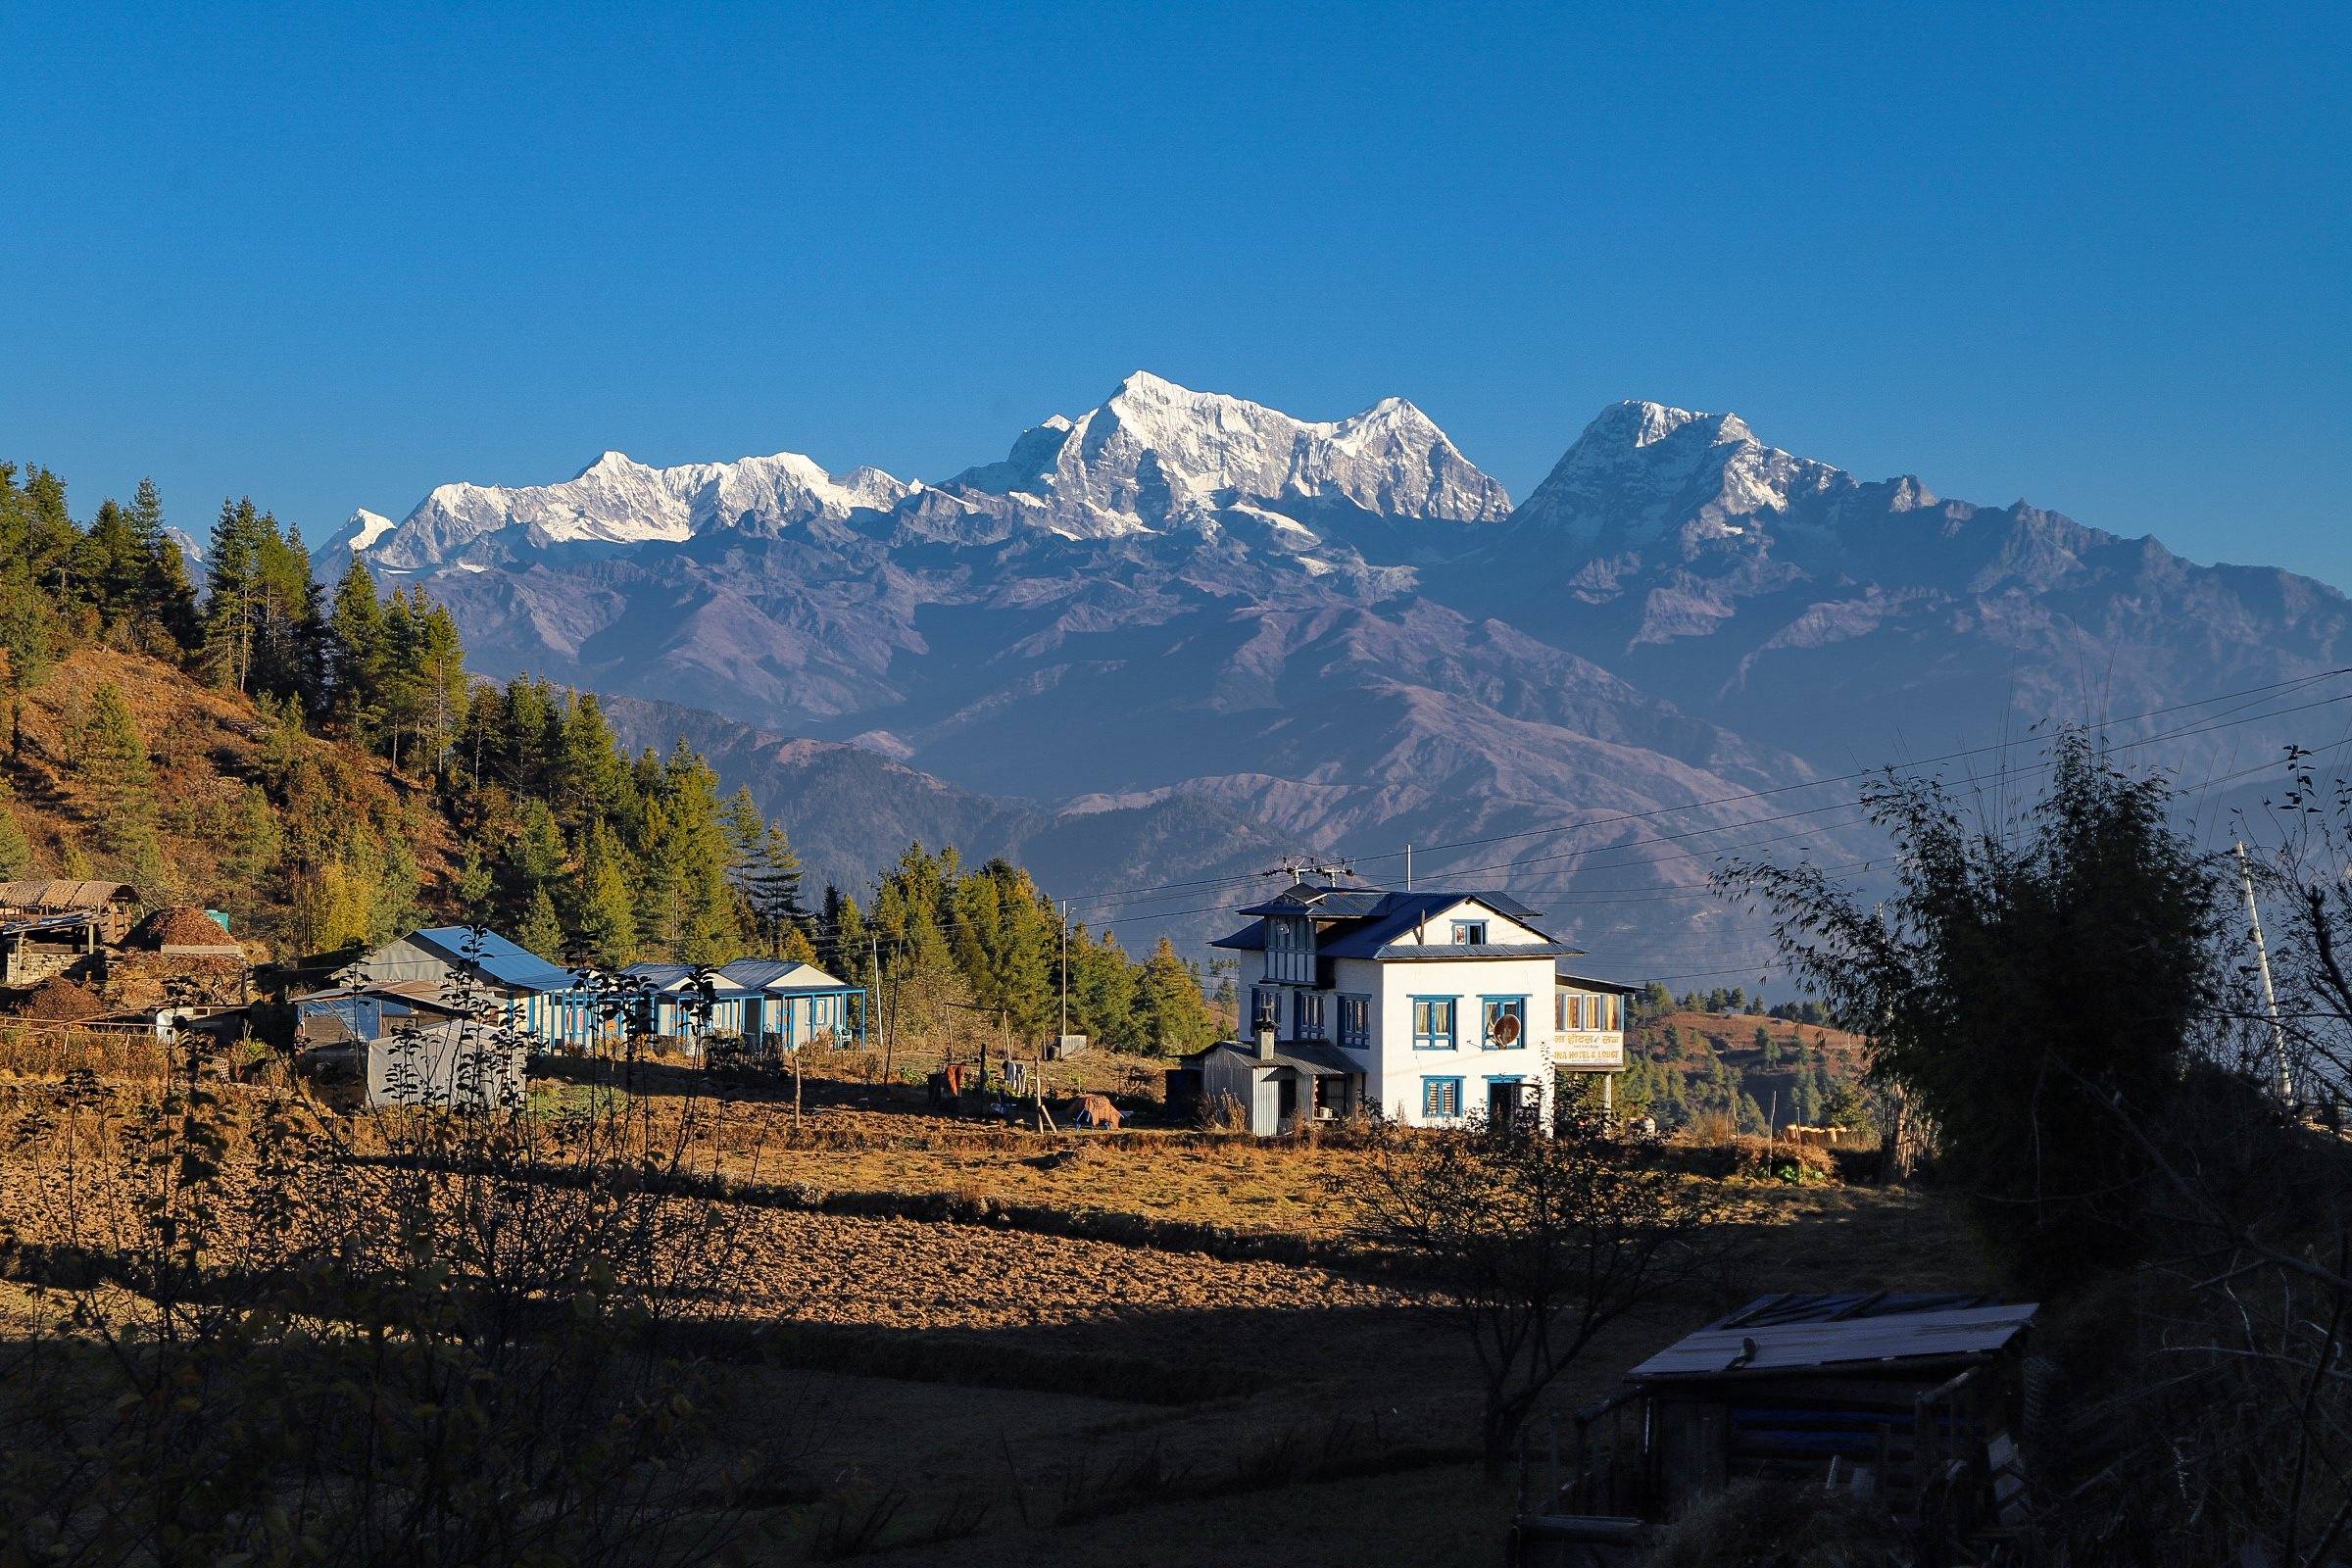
{"type": "Point", "coordinates": [2259, 693]}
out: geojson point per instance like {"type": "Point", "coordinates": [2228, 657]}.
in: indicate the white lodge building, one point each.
{"type": "Point", "coordinates": [1434, 1006]}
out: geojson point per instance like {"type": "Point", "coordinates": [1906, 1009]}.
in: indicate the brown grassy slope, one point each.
{"type": "Point", "coordinates": [205, 747]}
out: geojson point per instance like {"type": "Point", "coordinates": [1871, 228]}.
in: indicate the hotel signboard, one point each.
{"type": "Point", "coordinates": [1589, 1049]}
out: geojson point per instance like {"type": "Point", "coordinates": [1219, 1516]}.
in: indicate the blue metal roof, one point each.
{"type": "Point", "coordinates": [750, 974]}
{"type": "Point", "coordinates": [495, 957]}
{"type": "Point", "coordinates": [1367, 919]}
{"type": "Point", "coordinates": [1402, 911]}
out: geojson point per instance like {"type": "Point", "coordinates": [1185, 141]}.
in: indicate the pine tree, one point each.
{"type": "Point", "coordinates": [604, 912]}
{"type": "Point", "coordinates": [113, 566]}
{"type": "Point", "coordinates": [540, 931]}
{"type": "Point", "coordinates": [165, 594]}
{"type": "Point", "coordinates": [235, 592]}
{"type": "Point", "coordinates": [1173, 1014]}
{"type": "Point", "coordinates": [533, 860]}
{"type": "Point", "coordinates": [111, 769]}
{"type": "Point", "coordinates": [591, 777]}
{"type": "Point", "coordinates": [473, 887]}
{"type": "Point", "coordinates": [356, 655]}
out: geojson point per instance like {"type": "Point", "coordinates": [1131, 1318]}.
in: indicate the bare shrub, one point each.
{"type": "Point", "coordinates": [470, 1343]}
{"type": "Point", "coordinates": [1772, 1524]}
{"type": "Point", "coordinates": [1539, 1238]}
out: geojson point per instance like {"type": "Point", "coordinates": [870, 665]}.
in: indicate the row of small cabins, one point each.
{"type": "Point", "coordinates": [777, 1001]}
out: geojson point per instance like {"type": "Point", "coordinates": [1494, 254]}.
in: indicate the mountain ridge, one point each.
{"type": "Point", "coordinates": [1317, 634]}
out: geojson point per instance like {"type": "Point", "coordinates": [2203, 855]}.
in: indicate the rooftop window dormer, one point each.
{"type": "Point", "coordinates": [1289, 950]}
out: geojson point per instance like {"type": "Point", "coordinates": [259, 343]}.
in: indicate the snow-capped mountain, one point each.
{"type": "Point", "coordinates": [616, 501]}
{"type": "Point", "coordinates": [1157, 455]}
{"type": "Point", "coordinates": [361, 532]}
{"type": "Point", "coordinates": [1642, 473]}
{"type": "Point", "coordinates": [1183, 621]}
{"type": "Point", "coordinates": [191, 555]}
{"type": "Point", "coordinates": [1154, 458]}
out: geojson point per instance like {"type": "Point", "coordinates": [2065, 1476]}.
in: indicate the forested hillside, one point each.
{"type": "Point", "coordinates": [321, 767]}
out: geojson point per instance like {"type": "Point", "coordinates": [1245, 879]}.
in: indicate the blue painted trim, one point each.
{"type": "Point", "coordinates": [1453, 1023]}
{"type": "Point", "coordinates": [1427, 1084]}
{"type": "Point", "coordinates": [1486, 1043]}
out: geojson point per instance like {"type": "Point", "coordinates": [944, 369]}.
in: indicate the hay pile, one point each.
{"type": "Point", "coordinates": [179, 925]}
{"type": "Point", "coordinates": [58, 999]}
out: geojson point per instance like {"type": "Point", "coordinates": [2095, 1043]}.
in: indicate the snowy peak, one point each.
{"type": "Point", "coordinates": [1642, 471]}
{"type": "Point", "coordinates": [1154, 458]}
{"type": "Point", "coordinates": [1157, 455]}
{"type": "Point", "coordinates": [621, 501]}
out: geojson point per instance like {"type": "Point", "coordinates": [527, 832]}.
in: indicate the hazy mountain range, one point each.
{"type": "Point", "coordinates": [1180, 634]}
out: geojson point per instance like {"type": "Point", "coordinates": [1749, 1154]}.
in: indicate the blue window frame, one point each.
{"type": "Point", "coordinates": [1469, 933]}
{"type": "Point", "coordinates": [1433, 1022]}
{"type": "Point", "coordinates": [1492, 1010]}
{"type": "Point", "coordinates": [1307, 1014]}
{"type": "Point", "coordinates": [1441, 1097]}
{"type": "Point", "coordinates": [1355, 1022]}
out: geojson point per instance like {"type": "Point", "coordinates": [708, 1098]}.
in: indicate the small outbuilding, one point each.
{"type": "Point", "coordinates": [1913, 1401]}
{"type": "Point", "coordinates": [111, 907]}
{"type": "Point", "coordinates": [1280, 1087]}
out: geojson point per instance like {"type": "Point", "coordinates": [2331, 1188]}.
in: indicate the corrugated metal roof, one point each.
{"type": "Point", "coordinates": [808, 977]}
{"type": "Point", "coordinates": [500, 959]}
{"type": "Point", "coordinates": [660, 976]}
{"type": "Point", "coordinates": [1840, 1341]}
{"type": "Point", "coordinates": [48, 922]}
{"type": "Point", "coordinates": [1305, 1056]}
{"type": "Point", "coordinates": [1465, 950]}
{"type": "Point", "coordinates": [1592, 982]}
{"type": "Point", "coordinates": [1827, 1306]}
{"type": "Point", "coordinates": [1250, 938]}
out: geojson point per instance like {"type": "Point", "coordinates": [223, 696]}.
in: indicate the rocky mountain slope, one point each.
{"type": "Point", "coordinates": [1161, 640]}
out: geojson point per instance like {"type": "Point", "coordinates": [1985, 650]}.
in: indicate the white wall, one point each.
{"type": "Point", "coordinates": [1437, 930]}
{"type": "Point", "coordinates": [1394, 1080]}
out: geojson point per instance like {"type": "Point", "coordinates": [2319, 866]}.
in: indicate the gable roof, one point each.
{"type": "Point", "coordinates": [496, 957]}
{"type": "Point", "coordinates": [1373, 918]}
{"type": "Point", "coordinates": [806, 977]}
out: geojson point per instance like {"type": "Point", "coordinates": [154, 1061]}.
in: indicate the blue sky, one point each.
{"type": "Point", "coordinates": [331, 257]}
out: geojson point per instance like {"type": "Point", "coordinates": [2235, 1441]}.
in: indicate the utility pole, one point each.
{"type": "Point", "coordinates": [873, 999]}
{"type": "Point", "coordinates": [2261, 963]}
{"type": "Point", "coordinates": [1408, 868]}
{"type": "Point", "coordinates": [1065, 972]}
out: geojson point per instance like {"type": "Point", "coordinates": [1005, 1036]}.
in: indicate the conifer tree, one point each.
{"type": "Point", "coordinates": [604, 912]}
{"type": "Point", "coordinates": [113, 570]}
{"type": "Point", "coordinates": [540, 931]}
{"type": "Point", "coordinates": [113, 775]}
{"type": "Point", "coordinates": [166, 594]}
{"type": "Point", "coordinates": [235, 590]}
{"type": "Point", "coordinates": [1173, 1014]}
{"type": "Point", "coordinates": [356, 655]}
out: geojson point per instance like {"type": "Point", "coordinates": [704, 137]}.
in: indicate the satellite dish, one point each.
{"type": "Point", "coordinates": [1506, 1030]}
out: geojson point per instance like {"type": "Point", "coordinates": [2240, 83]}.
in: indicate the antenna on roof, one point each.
{"type": "Point", "coordinates": [1300, 868]}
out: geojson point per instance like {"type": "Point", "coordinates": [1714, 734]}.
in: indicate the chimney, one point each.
{"type": "Point", "coordinates": [1265, 1037]}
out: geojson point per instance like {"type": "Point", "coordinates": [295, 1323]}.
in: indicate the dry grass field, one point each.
{"type": "Point", "coordinates": [975, 1391]}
